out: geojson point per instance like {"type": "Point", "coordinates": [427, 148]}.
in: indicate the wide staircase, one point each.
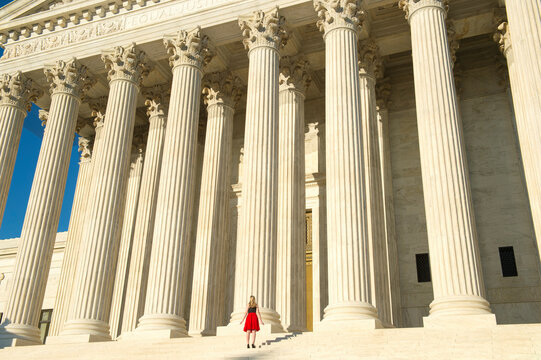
{"type": "Point", "coordinates": [504, 342]}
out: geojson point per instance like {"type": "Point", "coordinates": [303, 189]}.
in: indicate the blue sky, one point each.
{"type": "Point", "coordinates": [23, 175]}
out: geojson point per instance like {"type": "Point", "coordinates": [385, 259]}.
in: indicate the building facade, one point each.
{"type": "Point", "coordinates": [357, 164]}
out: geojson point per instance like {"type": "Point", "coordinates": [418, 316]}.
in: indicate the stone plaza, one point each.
{"type": "Point", "coordinates": [369, 170]}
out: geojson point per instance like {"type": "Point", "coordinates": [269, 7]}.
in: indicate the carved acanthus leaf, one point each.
{"type": "Point", "coordinates": [294, 73]}
{"type": "Point", "coordinates": [188, 48]}
{"type": "Point", "coordinates": [411, 6]}
{"type": "Point", "coordinates": [454, 43]}
{"type": "Point", "coordinates": [370, 60]}
{"type": "Point", "coordinates": [43, 115]}
{"type": "Point", "coordinates": [69, 77]}
{"type": "Point", "coordinates": [222, 88]}
{"type": "Point", "coordinates": [263, 28]}
{"type": "Point", "coordinates": [335, 14]}
{"type": "Point", "coordinates": [18, 90]}
{"type": "Point", "coordinates": [503, 38]}
{"type": "Point", "coordinates": [126, 63]}
{"type": "Point", "coordinates": [157, 99]}
{"type": "Point", "coordinates": [98, 107]}
{"type": "Point", "coordinates": [383, 93]}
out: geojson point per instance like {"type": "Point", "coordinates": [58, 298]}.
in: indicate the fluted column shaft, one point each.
{"type": "Point", "coordinates": [212, 247]}
{"type": "Point", "coordinates": [70, 262]}
{"type": "Point", "coordinates": [126, 240]}
{"type": "Point", "coordinates": [16, 93]}
{"type": "Point", "coordinates": [350, 290]}
{"type": "Point", "coordinates": [255, 272]}
{"type": "Point", "coordinates": [35, 251]}
{"type": "Point", "coordinates": [144, 222]}
{"type": "Point", "coordinates": [374, 190]}
{"type": "Point", "coordinates": [291, 266]}
{"type": "Point", "coordinates": [454, 256]}
{"type": "Point", "coordinates": [388, 204]}
{"type": "Point", "coordinates": [71, 252]}
{"type": "Point", "coordinates": [90, 308]}
{"type": "Point", "coordinates": [168, 273]}
{"type": "Point", "coordinates": [525, 77]}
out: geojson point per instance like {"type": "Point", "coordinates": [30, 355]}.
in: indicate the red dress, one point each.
{"type": "Point", "coordinates": [252, 323]}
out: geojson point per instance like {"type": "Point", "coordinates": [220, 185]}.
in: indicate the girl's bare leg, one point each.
{"type": "Point", "coordinates": [253, 340]}
{"type": "Point", "coordinates": [248, 337]}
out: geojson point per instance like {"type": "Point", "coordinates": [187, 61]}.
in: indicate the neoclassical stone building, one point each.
{"type": "Point", "coordinates": [353, 164]}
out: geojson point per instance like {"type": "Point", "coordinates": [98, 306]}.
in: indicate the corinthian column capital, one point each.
{"type": "Point", "coordinates": [334, 14]}
{"type": "Point", "coordinates": [383, 94]}
{"type": "Point", "coordinates": [126, 63]}
{"type": "Point", "coordinates": [85, 148]}
{"type": "Point", "coordinates": [157, 99]}
{"type": "Point", "coordinates": [503, 37]}
{"type": "Point", "coordinates": [188, 48]}
{"type": "Point", "coordinates": [222, 88]}
{"type": "Point", "coordinates": [98, 107]}
{"type": "Point", "coordinates": [411, 6]}
{"type": "Point", "coordinates": [18, 90]}
{"type": "Point", "coordinates": [263, 28]}
{"type": "Point", "coordinates": [294, 74]}
{"type": "Point", "coordinates": [370, 61]}
{"type": "Point", "coordinates": [69, 77]}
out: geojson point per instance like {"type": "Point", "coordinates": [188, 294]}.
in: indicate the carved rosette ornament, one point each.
{"type": "Point", "coordinates": [188, 48]}
{"type": "Point", "coordinates": [370, 61]}
{"type": "Point", "coordinates": [126, 63]}
{"type": "Point", "coordinates": [294, 74]}
{"type": "Point", "coordinates": [157, 99]}
{"type": "Point", "coordinates": [69, 77]}
{"type": "Point", "coordinates": [411, 6]}
{"type": "Point", "coordinates": [336, 14]}
{"type": "Point", "coordinates": [18, 90]}
{"type": "Point", "coordinates": [263, 28]}
{"type": "Point", "coordinates": [222, 88]}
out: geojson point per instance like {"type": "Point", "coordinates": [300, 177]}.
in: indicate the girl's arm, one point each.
{"type": "Point", "coordinates": [245, 314]}
{"type": "Point", "coordinates": [259, 316]}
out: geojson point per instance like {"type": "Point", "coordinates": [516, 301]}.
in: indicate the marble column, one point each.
{"type": "Point", "coordinates": [77, 219]}
{"type": "Point", "coordinates": [452, 238]}
{"type": "Point", "coordinates": [523, 55]}
{"type": "Point", "coordinates": [17, 93]}
{"type": "Point", "coordinates": [370, 69]}
{"type": "Point", "coordinates": [168, 271]}
{"type": "Point", "coordinates": [350, 290]}
{"type": "Point", "coordinates": [291, 262]}
{"type": "Point", "coordinates": [126, 237]}
{"type": "Point", "coordinates": [222, 91]}
{"type": "Point", "coordinates": [90, 307]}
{"type": "Point", "coordinates": [69, 80]}
{"type": "Point", "coordinates": [383, 93]}
{"type": "Point", "coordinates": [157, 101]}
{"type": "Point", "coordinates": [255, 272]}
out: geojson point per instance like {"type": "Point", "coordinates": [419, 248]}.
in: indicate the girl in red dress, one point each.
{"type": "Point", "coordinates": [252, 324]}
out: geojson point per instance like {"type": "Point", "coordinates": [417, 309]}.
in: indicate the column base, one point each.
{"type": "Point", "coordinates": [162, 326]}
{"type": "Point", "coordinates": [460, 305]}
{"type": "Point", "coordinates": [349, 311]}
{"type": "Point", "coordinates": [76, 339]}
{"type": "Point", "coordinates": [19, 335]}
{"type": "Point", "coordinates": [235, 329]}
{"type": "Point", "coordinates": [459, 321]}
{"type": "Point", "coordinates": [82, 331]}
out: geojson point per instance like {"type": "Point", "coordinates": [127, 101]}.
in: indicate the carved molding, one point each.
{"type": "Point", "coordinates": [411, 6]}
{"type": "Point", "coordinates": [126, 63]}
{"type": "Point", "coordinates": [188, 48]}
{"type": "Point", "coordinates": [263, 28]}
{"type": "Point", "coordinates": [294, 74]}
{"type": "Point", "coordinates": [370, 60]}
{"type": "Point", "coordinates": [335, 14]}
{"type": "Point", "coordinates": [18, 90]}
{"type": "Point", "coordinates": [157, 100]}
{"type": "Point", "coordinates": [70, 77]}
{"type": "Point", "coordinates": [222, 88]}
